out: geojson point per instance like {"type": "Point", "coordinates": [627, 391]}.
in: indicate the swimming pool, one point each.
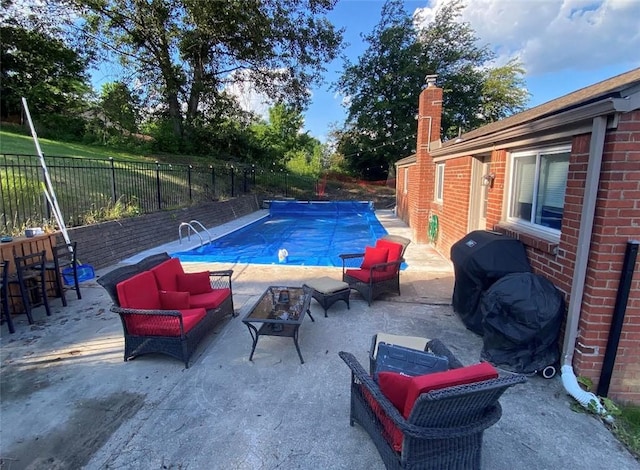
{"type": "Point", "coordinates": [312, 233]}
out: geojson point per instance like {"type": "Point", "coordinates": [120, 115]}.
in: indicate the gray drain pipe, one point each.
{"type": "Point", "coordinates": [569, 380]}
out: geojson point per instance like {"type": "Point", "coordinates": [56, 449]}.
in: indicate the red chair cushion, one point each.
{"type": "Point", "coordinates": [437, 380]}
{"type": "Point", "coordinates": [166, 274]}
{"type": "Point", "coordinates": [163, 325]}
{"type": "Point", "coordinates": [171, 300]}
{"type": "Point", "coordinates": [194, 283]}
{"type": "Point", "coordinates": [140, 292]}
{"type": "Point", "coordinates": [395, 252]}
{"type": "Point", "coordinates": [209, 300]}
{"type": "Point", "coordinates": [364, 274]}
{"type": "Point", "coordinates": [394, 386]}
{"type": "Point", "coordinates": [391, 432]}
{"type": "Point", "coordinates": [373, 256]}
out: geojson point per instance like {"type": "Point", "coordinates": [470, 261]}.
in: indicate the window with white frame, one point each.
{"type": "Point", "coordinates": [538, 184]}
{"type": "Point", "coordinates": [439, 186]}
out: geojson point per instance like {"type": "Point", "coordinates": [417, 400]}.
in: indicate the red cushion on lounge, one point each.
{"type": "Point", "coordinates": [139, 291]}
{"type": "Point", "coordinates": [171, 300]}
{"type": "Point", "coordinates": [394, 386]}
{"type": "Point", "coordinates": [163, 325]}
{"type": "Point", "coordinates": [209, 300]}
{"type": "Point", "coordinates": [363, 275]}
{"type": "Point", "coordinates": [194, 283]}
{"type": "Point", "coordinates": [437, 380]}
{"type": "Point", "coordinates": [395, 252]}
{"type": "Point", "coordinates": [166, 273]}
{"type": "Point", "coordinates": [373, 256]}
{"type": "Point", "coordinates": [391, 432]}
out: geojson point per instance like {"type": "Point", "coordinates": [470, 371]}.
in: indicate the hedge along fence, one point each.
{"type": "Point", "coordinates": [94, 190]}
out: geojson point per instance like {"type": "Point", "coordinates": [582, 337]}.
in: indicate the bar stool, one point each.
{"type": "Point", "coordinates": [4, 292]}
{"type": "Point", "coordinates": [30, 277]}
{"type": "Point", "coordinates": [65, 255]}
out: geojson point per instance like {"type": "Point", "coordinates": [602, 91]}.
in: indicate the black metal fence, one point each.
{"type": "Point", "coordinates": [92, 190]}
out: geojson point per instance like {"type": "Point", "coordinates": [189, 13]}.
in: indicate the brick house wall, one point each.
{"type": "Point", "coordinates": [617, 220]}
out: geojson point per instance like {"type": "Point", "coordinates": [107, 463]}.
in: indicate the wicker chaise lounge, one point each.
{"type": "Point", "coordinates": [443, 429]}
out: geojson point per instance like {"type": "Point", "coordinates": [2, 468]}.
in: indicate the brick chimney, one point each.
{"type": "Point", "coordinates": [429, 123]}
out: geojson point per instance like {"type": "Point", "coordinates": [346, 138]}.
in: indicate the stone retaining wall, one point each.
{"type": "Point", "coordinates": [107, 243]}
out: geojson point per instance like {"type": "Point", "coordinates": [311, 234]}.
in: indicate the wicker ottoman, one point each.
{"type": "Point", "coordinates": [328, 291]}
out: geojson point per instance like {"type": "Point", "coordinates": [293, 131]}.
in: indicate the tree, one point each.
{"type": "Point", "coordinates": [120, 106]}
{"type": "Point", "coordinates": [50, 75]}
{"type": "Point", "coordinates": [186, 51]}
{"type": "Point", "coordinates": [382, 90]}
{"type": "Point", "coordinates": [384, 85]}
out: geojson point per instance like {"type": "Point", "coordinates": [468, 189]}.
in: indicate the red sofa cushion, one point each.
{"type": "Point", "coordinates": [437, 380]}
{"type": "Point", "coordinates": [194, 283]}
{"type": "Point", "coordinates": [374, 256]}
{"type": "Point", "coordinates": [140, 292]}
{"type": "Point", "coordinates": [171, 300]}
{"type": "Point", "coordinates": [163, 325]}
{"type": "Point", "coordinates": [166, 274]}
{"type": "Point", "coordinates": [363, 275]}
{"type": "Point", "coordinates": [209, 300]}
{"type": "Point", "coordinates": [395, 252]}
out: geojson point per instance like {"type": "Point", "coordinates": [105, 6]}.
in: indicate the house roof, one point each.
{"type": "Point", "coordinates": [608, 89]}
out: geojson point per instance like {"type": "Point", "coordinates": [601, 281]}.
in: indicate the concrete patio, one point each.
{"type": "Point", "coordinates": [68, 400]}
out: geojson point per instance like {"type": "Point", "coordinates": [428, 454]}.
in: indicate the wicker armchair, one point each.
{"type": "Point", "coordinates": [380, 278]}
{"type": "Point", "coordinates": [445, 427]}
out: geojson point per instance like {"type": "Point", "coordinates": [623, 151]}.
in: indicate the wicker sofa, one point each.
{"type": "Point", "coordinates": [443, 428]}
{"type": "Point", "coordinates": [165, 310]}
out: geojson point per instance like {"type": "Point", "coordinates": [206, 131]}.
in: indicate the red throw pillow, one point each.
{"type": "Point", "coordinates": [394, 386]}
{"type": "Point", "coordinates": [374, 256]}
{"type": "Point", "coordinates": [194, 283]}
{"type": "Point", "coordinates": [437, 380]}
{"type": "Point", "coordinates": [395, 252]}
{"type": "Point", "coordinates": [171, 300]}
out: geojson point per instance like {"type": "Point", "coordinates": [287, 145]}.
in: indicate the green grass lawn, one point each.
{"type": "Point", "coordinates": [12, 143]}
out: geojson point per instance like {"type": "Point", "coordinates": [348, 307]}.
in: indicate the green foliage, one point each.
{"type": "Point", "coordinates": [384, 85]}
{"type": "Point", "coordinates": [120, 106]}
{"type": "Point", "coordinates": [50, 75]}
{"type": "Point", "coordinates": [122, 208]}
{"type": "Point", "coordinates": [183, 51]}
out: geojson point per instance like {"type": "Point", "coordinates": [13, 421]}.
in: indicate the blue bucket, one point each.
{"type": "Point", "coordinates": [85, 272]}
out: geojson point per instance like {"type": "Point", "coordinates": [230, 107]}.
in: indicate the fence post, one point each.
{"type": "Point", "coordinates": [244, 180]}
{"type": "Point", "coordinates": [213, 181]}
{"type": "Point", "coordinates": [158, 185]}
{"type": "Point", "coordinates": [232, 182]}
{"type": "Point", "coordinates": [189, 182]}
{"type": "Point", "coordinates": [253, 175]}
{"type": "Point", "coordinates": [114, 194]}
{"type": "Point", "coordinates": [286, 186]}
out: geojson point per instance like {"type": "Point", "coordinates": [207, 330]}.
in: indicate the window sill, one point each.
{"type": "Point", "coordinates": [545, 242]}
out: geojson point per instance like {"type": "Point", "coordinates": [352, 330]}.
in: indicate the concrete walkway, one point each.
{"type": "Point", "coordinates": [68, 400]}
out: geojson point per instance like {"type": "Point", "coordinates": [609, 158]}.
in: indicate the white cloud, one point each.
{"type": "Point", "coordinates": [555, 35]}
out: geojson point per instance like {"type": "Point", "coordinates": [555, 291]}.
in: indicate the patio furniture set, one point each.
{"type": "Point", "coordinates": [418, 415]}
{"type": "Point", "coordinates": [33, 269]}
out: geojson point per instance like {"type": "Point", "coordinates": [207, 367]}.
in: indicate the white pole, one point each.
{"type": "Point", "coordinates": [49, 192]}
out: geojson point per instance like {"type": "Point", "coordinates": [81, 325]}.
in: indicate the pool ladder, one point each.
{"type": "Point", "coordinates": [190, 228]}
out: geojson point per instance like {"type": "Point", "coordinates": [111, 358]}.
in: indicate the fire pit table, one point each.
{"type": "Point", "coordinates": [279, 312]}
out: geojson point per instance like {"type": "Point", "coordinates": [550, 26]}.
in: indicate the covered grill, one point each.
{"type": "Point", "coordinates": [480, 259]}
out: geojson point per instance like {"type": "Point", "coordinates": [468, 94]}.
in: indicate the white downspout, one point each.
{"type": "Point", "coordinates": [585, 232]}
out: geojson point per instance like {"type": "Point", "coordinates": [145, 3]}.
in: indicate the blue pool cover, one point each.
{"type": "Point", "coordinates": [312, 233]}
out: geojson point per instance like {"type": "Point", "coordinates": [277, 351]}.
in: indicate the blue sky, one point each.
{"type": "Point", "coordinates": [564, 45]}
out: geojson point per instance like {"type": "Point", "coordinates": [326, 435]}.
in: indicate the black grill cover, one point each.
{"type": "Point", "coordinates": [480, 259]}
{"type": "Point", "coordinates": [522, 314]}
